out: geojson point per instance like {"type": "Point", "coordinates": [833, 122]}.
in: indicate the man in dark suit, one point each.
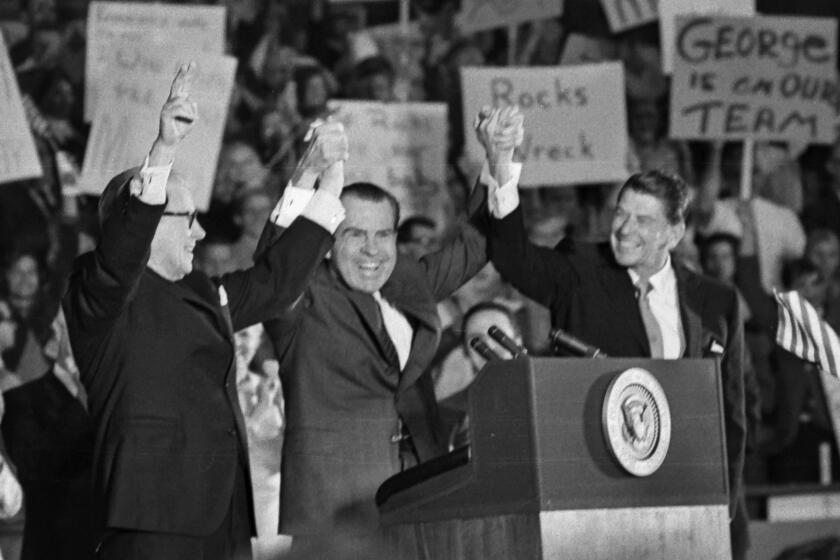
{"type": "Point", "coordinates": [591, 291]}
{"type": "Point", "coordinates": [360, 402]}
{"type": "Point", "coordinates": [154, 343]}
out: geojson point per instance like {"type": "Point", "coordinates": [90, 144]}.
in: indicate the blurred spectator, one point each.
{"type": "Point", "coordinates": [11, 495]}
{"type": "Point", "coordinates": [824, 212]}
{"type": "Point", "coordinates": [239, 168]}
{"type": "Point", "coordinates": [462, 365]}
{"type": "Point", "coordinates": [373, 79]}
{"type": "Point", "coordinates": [49, 436]}
{"type": "Point", "coordinates": [252, 209]}
{"type": "Point", "coordinates": [779, 235]}
{"type": "Point", "coordinates": [417, 236]}
{"type": "Point", "coordinates": [649, 140]}
{"type": "Point", "coordinates": [823, 250]}
{"type": "Point", "coordinates": [214, 257]}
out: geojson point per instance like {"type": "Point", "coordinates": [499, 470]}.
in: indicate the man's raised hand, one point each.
{"type": "Point", "coordinates": [499, 131]}
{"type": "Point", "coordinates": [180, 113]}
{"type": "Point", "coordinates": [324, 158]}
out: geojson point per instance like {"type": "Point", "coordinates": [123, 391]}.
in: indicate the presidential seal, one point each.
{"type": "Point", "coordinates": [637, 421]}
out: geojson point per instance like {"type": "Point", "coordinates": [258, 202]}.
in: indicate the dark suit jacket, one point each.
{"type": "Point", "coordinates": [49, 436]}
{"type": "Point", "coordinates": [345, 394]}
{"type": "Point", "coordinates": [590, 295]}
{"type": "Point", "coordinates": [156, 358]}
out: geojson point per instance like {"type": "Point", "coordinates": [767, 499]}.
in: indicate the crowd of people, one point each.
{"type": "Point", "coordinates": [294, 57]}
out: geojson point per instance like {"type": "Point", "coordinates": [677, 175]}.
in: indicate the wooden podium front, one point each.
{"type": "Point", "coordinates": [538, 480]}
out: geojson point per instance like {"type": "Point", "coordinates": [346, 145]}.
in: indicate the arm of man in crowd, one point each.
{"type": "Point", "coordinates": [466, 254]}
{"type": "Point", "coordinates": [710, 186]}
{"type": "Point", "coordinates": [297, 237]}
{"type": "Point", "coordinates": [748, 277]}
{"type": "Point", "coordinates": [130, 208]}
{"type": "Point", "coordinates": [537, 272]}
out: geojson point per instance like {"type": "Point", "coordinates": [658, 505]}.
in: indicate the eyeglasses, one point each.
{"type": "Point", "coordinates": [190, 216]}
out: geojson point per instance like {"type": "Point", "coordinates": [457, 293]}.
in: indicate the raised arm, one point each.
{"type": "Point", "coordinates": [534, 271]}
{"type": "Point", "coordinates": [297, 237]}
{"type": "Point", "coordinates": [130, 208]}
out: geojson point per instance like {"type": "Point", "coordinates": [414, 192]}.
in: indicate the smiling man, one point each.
{"type": "Point", "coordinates": [153, 340]}
{"type": "Point", "coordinates": [360, 403]}
{"type": "Point", "coordinates": [627, 296]}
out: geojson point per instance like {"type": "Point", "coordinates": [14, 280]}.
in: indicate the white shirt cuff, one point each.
{"type": "Point", "coordinates": [153, 182]}
{"type": "Point", "coordinates": [502, 200]}
{"type": "Point", "coordinates": [323, 208]}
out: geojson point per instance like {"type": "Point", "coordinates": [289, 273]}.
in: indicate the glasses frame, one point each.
{"type": "Point", "coordinates": [191, 216]}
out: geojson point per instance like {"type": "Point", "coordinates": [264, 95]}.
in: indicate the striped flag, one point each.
{"type": "Point", "coordinates": [803, 333]}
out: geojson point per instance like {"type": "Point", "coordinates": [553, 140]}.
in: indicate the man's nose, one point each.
{"type": "Point", "coordinates": [197, 232]}
{"type": "Point", "coordinates": [370, 246]}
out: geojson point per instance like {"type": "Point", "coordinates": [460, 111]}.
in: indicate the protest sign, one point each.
{"type": "Point", "coordinates": [626, 14]}
{"type": "Point", "coordinates": [398, 146]}
{"type": "Point", "coordinates": [184, 31]}
{"type": "Point", "coordinates": [575, 119]}
{"type": "Point", "coordinates": [478, 15]}
{"type": "Point", "coordinates": [18, 157]}
{"type": "Point", "coordinates": [768, 78]}
{"type": "Point", "coordinates": [669, 9]}
{"type": "Point", "coordinates": [129, 112]}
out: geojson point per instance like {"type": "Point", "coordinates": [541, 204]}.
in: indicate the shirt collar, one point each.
{"type": "Point", "coordinates": [662, 281]}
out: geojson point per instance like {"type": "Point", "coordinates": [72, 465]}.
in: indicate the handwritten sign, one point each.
{"type": "Point", "coordinates": [18, 157]}
{"type": "Point", "coordinates": [398, 146]}
{"type": "Point", "coordinates": [129, 110]}
{"type": "Point", "coordinates": [626, 14]}
{"type": "Point", "coordinates": [575, 119]}
{"type": "Point", "coordinates": [183, 30]}
{"type": "Point", "coordinates": [763, 78]}
{"type": "Point", "coordinates": [478, 15]}
{"type": "Point", "coordinates": [670, 9]}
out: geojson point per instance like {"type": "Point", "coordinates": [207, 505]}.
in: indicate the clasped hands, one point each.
{"type": "Point", "coordinates": [324, 157]}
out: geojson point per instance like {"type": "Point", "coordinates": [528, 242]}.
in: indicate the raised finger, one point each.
{"type": "Point", "coordinates": [182, 83]}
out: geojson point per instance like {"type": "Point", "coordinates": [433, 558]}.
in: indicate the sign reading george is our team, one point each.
{"type": "Point", "coordinates": [770, 78]}
{"type": "Point", "coordinates": [575, 122]}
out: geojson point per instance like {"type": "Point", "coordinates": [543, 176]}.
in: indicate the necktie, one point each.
{"type": "Point", "coordinates": [654, 333]}
{"type": "Point", "coordinates": [397, 327]}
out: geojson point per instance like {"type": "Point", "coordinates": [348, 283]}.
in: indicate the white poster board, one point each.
{"type": "Point", "coordinates": [479, 15]}
{"type": "Point", "coordinates": [575, 119]}
{"type": "Point", "coordinates": [184, 30]}
{"type": "Point", "coordinates": [626, 14]}
{"type": "Point", "coordinates": [399, 146]}
{"type": "Point", "coordinates": [670, 9]}
{"type": "Point", "coordinates": [18, 156]}
{"type": "Point", "coordinates": [129, 112]}
{"type": "Point", "coordinates": [767, 78]}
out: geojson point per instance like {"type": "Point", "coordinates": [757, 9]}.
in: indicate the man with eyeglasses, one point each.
{"type": "Point", "coordinates": [153, 340]}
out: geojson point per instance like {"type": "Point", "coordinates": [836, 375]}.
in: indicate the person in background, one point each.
{"type": "Point", "coordinates": [11, 495]}
{"type": "Point", "coordinates": [417, 237]}
{"type": "Point", "coordinates": [823, 212]}
{"type": "Point", "coordinates": [253, 206]}
{"type": "Point", "coordinates": [49, 437]}
{"type": "Point", "coordinates": [823, 250]}
{"type": "Point", "coordinates": [373, 79]}
{"type": "Point", "coordinates": [453, 381]}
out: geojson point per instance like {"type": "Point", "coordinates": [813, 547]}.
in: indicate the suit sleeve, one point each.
{"type": "Point", "coordinates": [465, 255]}
{"type": "Point", "coordinates": [285, 264]}
{"type": "Point", "coordinates": [102, 283]}
{"type": "Point", "coordinates": [735, 422]}
{"type": "Point", "coordinates": [538, 272]}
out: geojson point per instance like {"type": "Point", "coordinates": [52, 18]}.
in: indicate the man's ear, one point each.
{"type": "Point", "coordinates": [675, 233]}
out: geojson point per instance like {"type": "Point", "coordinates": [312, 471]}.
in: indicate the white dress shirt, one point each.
{"type": "Point", "coordinates": [665, 306]}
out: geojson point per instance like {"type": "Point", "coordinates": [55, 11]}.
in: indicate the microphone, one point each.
{"type": "Point", "coordinates": [561, 340]}
{"type": "Point", "coordinates": [506, 342]}
{"type": "Point", "coordinates": [481, 347]}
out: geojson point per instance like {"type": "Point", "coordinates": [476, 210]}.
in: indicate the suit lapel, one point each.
{"type": "Point", "coordinates": [204, 295]}
{"type": "Point", "coordinates": [622, 297]}
{"type": "Point", "coordinates": [371, 318]}
{"type": "Point", "coordinates": [691, 300]}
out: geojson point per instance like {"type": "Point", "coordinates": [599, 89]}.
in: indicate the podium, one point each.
{"type": "Point", "coordinates": [539, 480]}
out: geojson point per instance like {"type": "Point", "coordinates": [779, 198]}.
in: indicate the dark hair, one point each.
{"type": "Point", "coordinates": [489, 306]}
{"type": "Point", "coordinates": [820, 236]}
{"type": "Point", "coordinates": [404, 232]}
{"type": "Point", "coordinates": [796, 269]}
{"type": "Point", "coordinates": [373, 193]}
{"type": "Point", "coordinates": [668, 188]}
{"type": "Point", "coordinates": [705, 243]}
{"type": "Point", "coordinates": [373, 66]}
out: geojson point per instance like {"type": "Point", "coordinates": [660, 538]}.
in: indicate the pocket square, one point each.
{"type": "Point", "coordinates": [223, 297]}
{"type": "Point", "coordinates": [715, 347]}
